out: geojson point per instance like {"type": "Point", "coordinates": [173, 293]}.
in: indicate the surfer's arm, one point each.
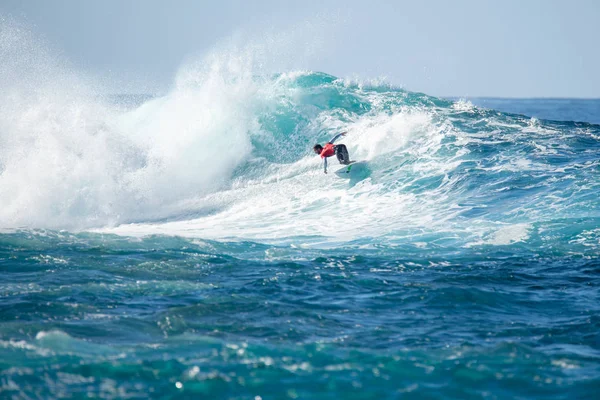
{"type": "Point", "coordinates": [325, 164]}
{"type": "Point", "coordinates": [336, 137]}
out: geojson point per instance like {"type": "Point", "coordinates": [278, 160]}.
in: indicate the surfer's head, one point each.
{"type": "Point", "coordinates": [318, 148]}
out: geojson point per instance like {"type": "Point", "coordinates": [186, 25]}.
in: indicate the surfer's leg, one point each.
{"type": "Point", "coordinates": [342, 154]}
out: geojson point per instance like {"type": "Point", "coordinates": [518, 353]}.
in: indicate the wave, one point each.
{"type": "Point", "coordinates": [226, 153]}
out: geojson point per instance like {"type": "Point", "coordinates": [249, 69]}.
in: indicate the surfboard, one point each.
{"type": "Point", "coordinates": [355, 169]}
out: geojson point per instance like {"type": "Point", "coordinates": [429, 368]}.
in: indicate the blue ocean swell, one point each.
{"type": "Point", "coordinates": [580, 110]}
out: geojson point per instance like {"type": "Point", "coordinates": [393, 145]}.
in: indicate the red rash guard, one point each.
{"type": "Point", "coordinates": [328, 150]}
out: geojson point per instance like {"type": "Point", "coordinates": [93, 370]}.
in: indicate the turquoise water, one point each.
{"type": "Point", "coordinates": [188, 244]}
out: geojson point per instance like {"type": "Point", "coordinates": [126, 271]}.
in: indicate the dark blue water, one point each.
{"type": "Point", "coordinates": [582, 110]}
{"type": "Point", "coordinates": [100, 315]}
{"type": "Point", "coordinates": [189, 245]}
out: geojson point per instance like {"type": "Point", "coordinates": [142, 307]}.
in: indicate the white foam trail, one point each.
{"type": "Point", "coordinates": [504, 235]}
{"type": "Point", "coordinates": [295, 200]}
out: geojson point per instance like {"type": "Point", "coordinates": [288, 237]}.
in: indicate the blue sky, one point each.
{"type": "Point", "coordinates": [509, 48]}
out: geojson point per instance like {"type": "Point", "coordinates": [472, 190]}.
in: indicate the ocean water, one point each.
{"type": "Point", "coordinates": [582, 110]}
{"type": "Point", "coordinates": [188, 244]}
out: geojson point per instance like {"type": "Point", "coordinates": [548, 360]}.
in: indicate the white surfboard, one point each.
{"type": "Point", "coordinates": [356, 169]}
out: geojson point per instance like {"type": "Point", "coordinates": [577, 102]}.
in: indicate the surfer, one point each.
{"type": "Point", "coordinates": [330, 149]}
